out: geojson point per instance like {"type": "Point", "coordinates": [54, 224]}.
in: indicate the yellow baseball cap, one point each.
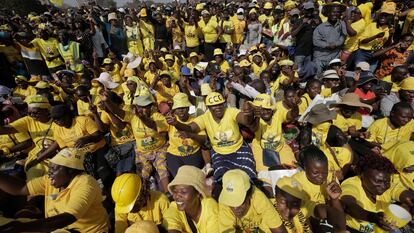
{"type": "Point", "coordinates": [107, 61]}
{"type": "Point", "coordinates": [252, 11]}
{"type": "Point", "coordinates": [289, 5]}
{"type": "Point", "coordinates": [20, 77]}
{"type": "Point", "coordinates": [236, 183]}
{"type": "Point", "coordinates": [286, 62]}
{"type": "Point", "coordinates": [143, 12]}
{"type": "Point", "coordinates": [407, 84]}
{"type": "Point", "coordinates": [205, 89]}
{"type": "Point", "coordinates": [292, 187]}
{"type": "Point", "coordinates": [37, 101]}
{"type": "Point", "coordinates": [180, 100]}
{"type": "Point", "coordinates": [35, 79]}
{"type": "Point", "coordinates": [200, 7]}
{"type": "Point", "coordinates": [129, 72]}
{"type": "Point", "coordinates": [169, 57]}
{"type": "Point", "coordinates": [264, 101]}
{"type": "Point", "coordinates": [194, 54]}
{"type": "Point", "coordinates": [69, 157]}
{"type": "Point", "coordinates": [164, 50]}
{"type": "Point", "coordinates": [214, 98]}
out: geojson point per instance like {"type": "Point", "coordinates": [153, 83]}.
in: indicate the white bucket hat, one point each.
{"type": "Point", "coordinates": [106, 80]}
{"type": "Point", "coordinates": [133, 61]}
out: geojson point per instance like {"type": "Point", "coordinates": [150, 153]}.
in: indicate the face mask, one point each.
{"type": "Point", "coordinates": [240, 17]}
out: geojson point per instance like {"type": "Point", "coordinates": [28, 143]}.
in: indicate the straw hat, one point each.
{"type": "Point", "coordinates": [319, 113]}
{"type": "Point", "coordinates": [351, 99]}
{"type": "Point", "coordinates": [180, 100]}
{"type": "Point", "coordinates": [192, 176]}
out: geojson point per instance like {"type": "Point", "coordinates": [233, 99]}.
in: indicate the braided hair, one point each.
{"type": "Point", "coordinates": [311, 153]}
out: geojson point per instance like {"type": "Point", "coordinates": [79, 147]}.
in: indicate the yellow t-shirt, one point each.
{"type": "Point", "coordinates": [182, 146]}
{"type": "Point", "coordinates": [316, 193]}
{"type": "Point", "coordinates": [41, 134]}
{"type": "Point", "coordinates": [154, 211]}
{"type": "Point", "coordinates": [365, 9]}
{"type": "Point", "coordinates": [147, 139]}
{"type": "Point", "coordinates": [118, 136]}
{"type": "Point", "coordinates": [146, 29]}
{"type": "Point", "coordinates": [209, 30]}
{"type": "Point", "coordinates": [353, 187]}
{"type": "Point", "coordinates": [395, 87]}
{"type": "Point", "coordinates": [207, 223]}
{"type": "Point", "coordinates": [81, 126]}
{"type": "Point", "coordinates": [191, 33]}
{"type": "Point", "coordinates": [238, 35]}
{"type": "Point", "coordinates": [165, 94]}
{"type": "Point", "coordinates": [10, 140]}
{"type": "Point", "coordinates": [149, 77]}
{"type": "Point", "coordinates": [352, 42]}
{"type": "Point", "coordinates": [23, 93]}
{"type": "Point", "coordinates": [260, 215]}
{"type": "Point", "coordinates": [225, 136]}
{"type": "Point", "coordinates": [49, 48]}
{"type": "Point", "coordinates": [381, 132]}
{"type": "Point", "coordinates": [83, 108]}
{"type": "Point", "coordinates": [344, 123]}
{"type": "Point", "coordinates": [372, 30]}
{"type": "Point", "coordinates": [304, 104]}
{"type": "Point", "coordinates": [343, 155]}
{"type": "Point", "coordinates": [82, 199]}
{"type": "Point", "coordinates": [257, 70]}
{"type": "Point", "coordinates": [326, 92]}
{"type": "Point", "coordinates": [300, 222]}
{"type": "Point", "coordinates": [226, 25]}
{"type": "Point", "coordinates": [269, 18]}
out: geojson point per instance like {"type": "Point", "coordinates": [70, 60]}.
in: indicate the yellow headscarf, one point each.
{"type": "Point", "coordinates": [402, 156]}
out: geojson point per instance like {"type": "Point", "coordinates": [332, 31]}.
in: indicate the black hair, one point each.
{"type": "Point", "coordinates": [312, 81]}
{"type": "Point", "coordinates": [288, 89]}
{"type": "Point", "coordinates": [311, 153]}
{"type": "Point", "coordinates": [82, 88]}
{"type": "Point", "coordinates": [375, 162]}
{"type": "Point", "coordinates": [335, 137]}
{"type": "Point", "coordinates": [113, 97]}
{"type": "Point", "coordinates": [401, 105]}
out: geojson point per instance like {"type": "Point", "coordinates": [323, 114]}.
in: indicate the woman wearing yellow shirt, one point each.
{"type": "Point", "coordinates": [152, 72]}
{"type": "Point", "coordinates": [134, 202]}
{"type": "Point", "coordinates": [229, 151]}
{"type": "Point", "coordinates": [386, 132]}
{"type": "Point", "coordinates": [243, 207]}
{"type": "Point", "coordinates": [192, 34]}
{"type": "Point", "coordinates": [73, 199]}
{"type": "Point", "coordinates": [374, 37]}
{"type": "Point", "coordinates": [220, 61]}
{"type": "Point", "coordinates": [268, 146]}
{"type": "Point", "coordinates": [210, 29]}
{"type": "Point", "coordinates": [23, 88]}
{"type": "Point", "coordinates": [38, 123]}
{"type": "Point", "coordinates": [258, 64]}
{"type": "Point", "coordinates": [134, 86]}
{"type": "Point", "coordinates": [184, 148]}
{"type": "Point", "coordinates": [287, 76]}
{"type": "Point", "coordinates": [165, 90]}
{"type": "Point", "coordinates": [150, 132]}
{"type": "Point", "coordinates": [313, 88]}
{"type": "Point", "coordinates": [192, 210]}
{"type": "Point", "coordinates": [133, 36]}
{"type": "Point", "coordinates": [366, 196]}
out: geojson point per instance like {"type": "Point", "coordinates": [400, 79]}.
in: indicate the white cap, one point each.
{"type": "Point", "coordinates": [336, 60]}
{"type": "Point", "coordinates": [364, 66]}
{"type": "Point", "coordinates": [106, 80]}
{"type": "Point", "coordinates": [240, 11]}
{"type": "Point", "coordinates": [122, 10]}
{"type": "Point", "coordinates": [112, 16]}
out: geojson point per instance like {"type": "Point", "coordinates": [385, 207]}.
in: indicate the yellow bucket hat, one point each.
{"type": "Point", "coordinates": [264, 101]}
{"type": "Point", "coordinates": [236, 183]}
{"type": "Point", "coordinates": [69, 157]}
{"type": "Point", "coordinates": [189, 175]}
{"type": "Point", "coordinates": [268, 6]}
{"type": "Point", "coordinates": [180, 100]}
{"type": "Point", "coordinates": [214, 98]}
{"type": "Point", "coordinates": [37, 101]}
{"type": "Point", "coordinates": [218, 52]}
{"type": "Point", "coordinates": [407, 84]}
{"type": "Point", "coordinates": [292, 187]}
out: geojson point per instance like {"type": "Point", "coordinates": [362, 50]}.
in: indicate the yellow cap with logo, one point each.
{"type": "Point", "coordinates": [236, 183]}
{"type": "Point", "coordinates": [291, 186]}
{"type": "Point", "coordinates": [69, 157]}
{"type": "Point", "coordinates": [214, 98]}
{"type": "Point", "coordinates": [264, 101]}
{"type": "Point", "coordinates": [180, 100]}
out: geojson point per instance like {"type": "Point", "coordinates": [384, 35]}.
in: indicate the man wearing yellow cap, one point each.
{"type": "Point", "coordinates": [73, 199]}
{"type": "Point", "coordinates": [266, 18]}
{"type": "Point", "coordinates": [405, 94]}
{"type": "Point", "coordinates": [48, 47]}
{"type": "Point", "coordinates": [23, 88]}
{"type": "Point", "coordinates": [222, 127]}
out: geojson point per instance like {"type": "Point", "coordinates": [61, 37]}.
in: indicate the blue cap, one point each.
{"type": "Point", "coordinates": [185, 70]}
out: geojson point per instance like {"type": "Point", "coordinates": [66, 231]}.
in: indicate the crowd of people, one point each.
{"type": "Point", "coordinates": [235, 116]}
